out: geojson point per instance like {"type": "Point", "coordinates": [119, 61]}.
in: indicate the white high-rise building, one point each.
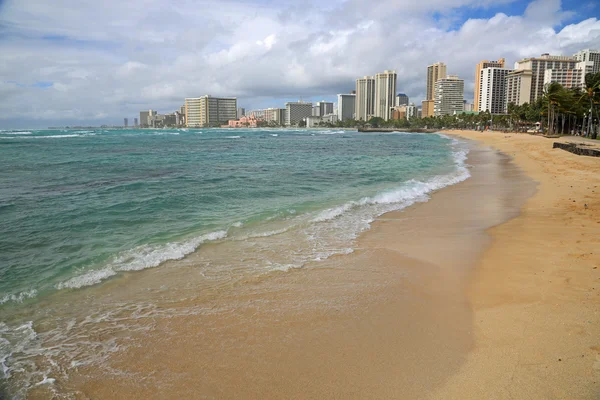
{"type": "Point", "coordinates": [346, 106]}
{"type": "Point", "coordinates": [411, 111]}
{"type": "Point", "coordinates": [538, 67]}
{"type": "Point", "coordinates": [385, 94]}
{"type": "Point", "coordinates": [365, 98]}
{"type": "Point", "coordinates": [209, 111]}
{"type": "Point", "coordinates": [568, 78]}
{"type": "Point", "coordinates": [296, 112]}
{"type": "Point", "coordinates": [448, 96]}
{"type": "Point", "coordinates": [591, 58]}
{"type": "Point", "coordinates": [518, 87]}
{"type": "Point", "coordinates": [492, 90]}
{"type": "Point", "coordinates": [322, 108]}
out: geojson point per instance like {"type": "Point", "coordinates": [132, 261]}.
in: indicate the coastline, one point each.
{"type": "Point", "coordinates": [389, 319]}
{"type": "Point", "coordinates": [535, 294]}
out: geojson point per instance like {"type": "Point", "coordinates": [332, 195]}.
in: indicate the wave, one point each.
{"type": "Point", "coordinates": [139, 258]}
{"type": "Point", "coordinates": [165, 133]}
{"type": "Point", "coordinates": [15, 133]}
{"type": "Point", "coordinates": [274, 134]}
{"type": "Point", "coordinates": [407, 194]}
{"type": "Point", "coordinates": [233, 137]}
{"type": "Point", "coordinates": [19, 297]}
{"type": "Point", "coordinates": [331, 132]}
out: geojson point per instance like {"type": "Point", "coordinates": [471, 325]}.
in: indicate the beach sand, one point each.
{"type": "Point", "coordinates": [536, 291]}
{"type": "Point", "coordinates": [476, 293]}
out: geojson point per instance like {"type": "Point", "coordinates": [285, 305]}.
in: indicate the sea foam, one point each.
{"type": "Point", "coordinates": [139, 258]}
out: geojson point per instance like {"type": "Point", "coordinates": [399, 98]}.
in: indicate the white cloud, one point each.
{"type": "Point", "coordinates": [107, 60]}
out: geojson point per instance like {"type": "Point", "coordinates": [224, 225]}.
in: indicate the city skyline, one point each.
{"type": "Point", "coordinates": [93, 71]}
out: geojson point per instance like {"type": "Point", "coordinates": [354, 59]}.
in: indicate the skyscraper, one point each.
{"type": "Point", "coordinates": [135, 122]}
{"type": "Point", "coordinates": [449, 96]}
{"type": "Point", "coordinates": [492, 90]}
{"type": "Point", "coordinates": [125, 122]}
{"type": "Point", "coordinates": [365, 98]}
{"type": "Point", "coordinates": [401, 100]}
{"type": "Point", "coordinates": [209, 111]}
{"type": "Point", "coordinates": [483, 64]}
{"type": "Point", "coordinates": [346, 106]}
{"type": "Point", "coordinates": [434, 72]}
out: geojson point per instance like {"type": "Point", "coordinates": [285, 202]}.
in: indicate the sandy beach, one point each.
{"type": "Point", "coordinates": [535, 293]}
{"type": "Point", "coordinates": [491, 289]}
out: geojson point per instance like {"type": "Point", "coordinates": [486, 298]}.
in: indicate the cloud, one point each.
{"type": "Point", "coordinates": [97, 62]}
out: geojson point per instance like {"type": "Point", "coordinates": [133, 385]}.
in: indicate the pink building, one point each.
{"type": "Point", "coordinates": [244, 122]}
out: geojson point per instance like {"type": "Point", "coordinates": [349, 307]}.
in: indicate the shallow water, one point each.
{"type": "Point", "coordinates": [205, 209]}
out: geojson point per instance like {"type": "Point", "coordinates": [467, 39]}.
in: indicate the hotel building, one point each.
{"type": "Point", "coordinates": [346, 106]}
{"type": "Point", "coordinates": [538, 67]}
{"type": "Point", "coordinates": [518, 87]}
{"type": "Point", "coordinates": [385, 93]}
{"type": "Point", "coordinates": [492, 90]}
{"type": "Point", "coordinates": [483, 64]}
{"type": "Point", "coordinates": [296, 112]}
{"type": "Point", "coordinates": [209, 111]}
{"type": "Point", "coordinates": [448, 96]}
{"type": "Point", "coordinates": [365, 98]}
{"type": "Point", "coordinates": [591, 58]}
{"type": "Point", "coordinates": [434, 72]}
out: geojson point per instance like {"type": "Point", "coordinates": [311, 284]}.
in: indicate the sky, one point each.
{"type": "Point", "coordinates": [90, 62]}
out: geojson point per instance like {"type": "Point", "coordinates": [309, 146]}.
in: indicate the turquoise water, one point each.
{"type": "Point", "coordinates": [76, 201]}
{"type": "Point", "coordinates": [81, 207]}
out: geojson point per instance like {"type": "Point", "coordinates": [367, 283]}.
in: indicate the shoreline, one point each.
{"type": "Point", "coordinates": [392, 313]}
{"type": "Point", "coordinates": [535, 293]}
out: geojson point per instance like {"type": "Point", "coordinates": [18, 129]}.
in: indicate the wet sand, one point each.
{"type": "Point", "coordinates": [391, 320]}
{"type": "Point", "coordinates": [535, 294]}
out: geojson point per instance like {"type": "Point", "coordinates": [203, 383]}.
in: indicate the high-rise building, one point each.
{"type": "Point", "coordinates": [296, 112]}
{"type": "Point", "coordinates": [241, 112]}
{"type": "Point", "coordinates": [518, 87]}
{"type": "Point", "coordinates": [448, 96]}
{"type": "Point", "coordinates": [385, 93]}
{"type": "Point", "coordinates": [427, 108]}
{"type": "Point", "coordinates": [145, 118]}
{"type": "Point", "coordinates": [346, 106]}
{"type": "Point", "coordinates": [483, 64]}
{"type": "Point", "coordinates": [209, 111]}
{"type": "Point", "coordinates": [401, 100]}
{"type": "Point", "coordinates": [434, 72]}
{"type": "Point", "coordinates": [365, 98]}
{"type": "Point", "coordinates": [591, 57]}
{"type": "Point", "coordinates": [568, 78]}
{"type": "Point", "coordinates": [538, 67]}
{"type": "Point", "coordinates": [125, 122]}
{"type": "Point", "coordinates": [274, 115]}
{"type": "Point", "coordinates": [411, 111]}
{"type": "Point", "coordinates": [135, 122]}
{"type": "Point", "coordinates": [492, 90]}
{"type": "Point", "coordinates": [322, 108]}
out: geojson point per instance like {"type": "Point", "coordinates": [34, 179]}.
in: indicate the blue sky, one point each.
{"type": "Point", "coordinates": [90, 62]}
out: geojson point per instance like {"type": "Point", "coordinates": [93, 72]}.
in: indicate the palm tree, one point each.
{"type": "Point", "coordinates": [592, 92]}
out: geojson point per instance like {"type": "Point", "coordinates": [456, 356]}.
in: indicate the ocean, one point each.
{"type": "Point", "coordinates": [97, 224]}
